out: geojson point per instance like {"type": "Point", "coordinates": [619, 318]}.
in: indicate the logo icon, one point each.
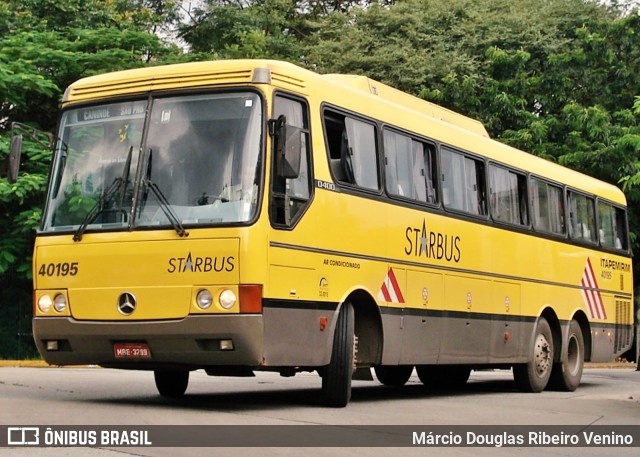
{"type": "Point", "coordinates": [126, 303]}
{"type": "Point", "coordinates": [23, 436]}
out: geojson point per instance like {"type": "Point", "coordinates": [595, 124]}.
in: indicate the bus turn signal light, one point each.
{"type": "Point", "coordinates": [250, 298]}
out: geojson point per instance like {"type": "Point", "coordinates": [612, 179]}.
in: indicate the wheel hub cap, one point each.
{"type": "Point", "coordinates": [542, 354]}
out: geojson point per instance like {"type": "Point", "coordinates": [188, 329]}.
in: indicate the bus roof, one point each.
{"type": "Point", "coordinates": [382, 102]}
{"type": "Point", "coordinates": [366, 84]}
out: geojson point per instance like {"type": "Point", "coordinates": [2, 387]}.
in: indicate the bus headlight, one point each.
{"type": "Point", "coordinates": [60, 303]}
{"type": "Point", "coordinates": [204, 299]}
{"type": "Point", "coordinates": [44, 303]}
{"type": "Point", "coordinates": [227, 299]}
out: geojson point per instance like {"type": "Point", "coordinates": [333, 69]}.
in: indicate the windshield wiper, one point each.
{"type": "Point", "coordinates": [106, 196]}
{"type": "Point", "coordinates": [166, 207]}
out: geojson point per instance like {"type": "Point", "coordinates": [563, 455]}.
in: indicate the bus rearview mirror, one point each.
{"type": "Point", "coordinates": [288, 149]}
{"type": "Point", "coordinates": [14, 158]}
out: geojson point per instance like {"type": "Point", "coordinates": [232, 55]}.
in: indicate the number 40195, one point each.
{"type": "Point", "coordinates": [58, 269]}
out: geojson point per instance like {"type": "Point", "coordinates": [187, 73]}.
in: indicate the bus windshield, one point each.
{"type": "Point", "coordinates": [198, 154]}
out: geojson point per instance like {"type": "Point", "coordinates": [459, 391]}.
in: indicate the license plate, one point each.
{"type": "Point", "coordinates": [131, 351]}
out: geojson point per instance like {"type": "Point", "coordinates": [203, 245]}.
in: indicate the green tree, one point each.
{"type": "Point", "coordinates": [261, 29]}
{"type": "Point", "coordinates": [275, 29]}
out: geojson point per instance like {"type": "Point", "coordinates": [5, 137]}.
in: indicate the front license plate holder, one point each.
{"type": "Point", "coordinates": [137, 351]}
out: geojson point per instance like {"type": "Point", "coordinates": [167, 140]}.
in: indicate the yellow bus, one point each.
{"type": "Point", "coordinates": [251, 215]}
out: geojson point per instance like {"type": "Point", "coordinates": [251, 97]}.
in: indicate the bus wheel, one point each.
{"type": "Point", "coordinates": [534, 375]}
{"type": "Point", "coordinates": [443, 376]}
{"type": "Point", "coordinates": [336, 379]}
{"type": "Point", "coordinates": [567, 374]}
{"type": "Point", "coordinates": [394, 375]}
{"type": "Point", "coordinates": [171, 383]}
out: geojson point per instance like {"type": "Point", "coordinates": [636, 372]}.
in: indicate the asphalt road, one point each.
{"type": "Point", "coordinates": [96, 396]}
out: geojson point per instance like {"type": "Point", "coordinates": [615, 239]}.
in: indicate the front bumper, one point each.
{"type": "Point", "coordinates": [191, 342]}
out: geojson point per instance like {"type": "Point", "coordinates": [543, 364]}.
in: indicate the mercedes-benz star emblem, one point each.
{"type": "Point", "coordinates": [126, 303]}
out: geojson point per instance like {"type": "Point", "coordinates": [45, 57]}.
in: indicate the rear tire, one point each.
{"type": "Point", "coordinates": [171, 383]}
{"type": "Point", "coordinates": [336, 379]}
{"type": "Point", "coordinates": [443, 376]}
{"type": "Point", "coordinates": [534, 375]}
{"type": "Point", "coordinates": [395, 376]}
{"type": "Point", "coordinates": [567, 374]}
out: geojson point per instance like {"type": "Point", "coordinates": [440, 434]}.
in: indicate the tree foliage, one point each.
{"type": "Point", "coordinates": [235, 30]}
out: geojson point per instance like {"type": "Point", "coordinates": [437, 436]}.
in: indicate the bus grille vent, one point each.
{"type": "Point", "coordinates": [288, 80]}
{"type": "Point", "coordinates": [623, 329]}
{"type": "Point", "coordinates": [160, 82]}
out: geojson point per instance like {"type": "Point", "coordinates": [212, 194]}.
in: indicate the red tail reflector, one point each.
{"type": "Point", "coordinates": [250, 298]}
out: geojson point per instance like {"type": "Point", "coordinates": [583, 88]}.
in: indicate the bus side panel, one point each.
{"type": "Point", "coordinates": [392, 331]}
{"type": "Point", "coordinates": [602, 342]}
{"type": "Point", "coordinates": [422, 326]}
{"type": "Point", "coordinates": [297, 333]}
{"type": "Point", "coordinates": [508, 328]}
{"type": "Point", "coordinates": [467, 326]}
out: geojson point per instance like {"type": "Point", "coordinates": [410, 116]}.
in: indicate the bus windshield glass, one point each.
{"type": "Point", "coordinates": [198, 154]}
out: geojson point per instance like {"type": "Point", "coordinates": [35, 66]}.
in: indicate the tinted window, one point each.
{"type": "Point", "coordinates": [582, 225]}
{"type": "Point", "coordinates": [290, 196]}
{"type": "Point", "coordinates": [463, 186]}
{"type": "Point", "coordinates": [612, 224]}
{"type": "Point", "coordinates": [409, 167]}
{"type": "Point", "coordinates": [508, 196]}
{"type": "Point", "coordinates": [547, 207]}
{"type": "Point", "coordinates": [352, 150]}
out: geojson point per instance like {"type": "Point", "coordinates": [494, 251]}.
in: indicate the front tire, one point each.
{"type": "Point", "coordinates": [336, 379]}
{"type": "Point", "coordinates": [534, 375]}
{"type": "Point", "coordinates": [171, 383]}
{"type": "Point", "coordinates": [567, 374]}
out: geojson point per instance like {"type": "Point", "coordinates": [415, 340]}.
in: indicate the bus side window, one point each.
{"type": "Point", "coordinates": [582, 224]}
{"type": "Point", "coordinates": [352, 150]}
{"type": "Point", "coordinates": [612, 226]}
{"type": "Point", "coordinates": [547, 207]}
{"type": "Point", "coordinates": [463, 183]}
{"type": "Point", "coordinates": [430, 173]}
{"type": "Point", "coordinates": [409, 167]}
{"type": "Point", "coordinates": [290, 196]}
{"type": "Point", "coordinates": [508, 196]}
{"type": "Point", "coordinates": [622, 236]}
